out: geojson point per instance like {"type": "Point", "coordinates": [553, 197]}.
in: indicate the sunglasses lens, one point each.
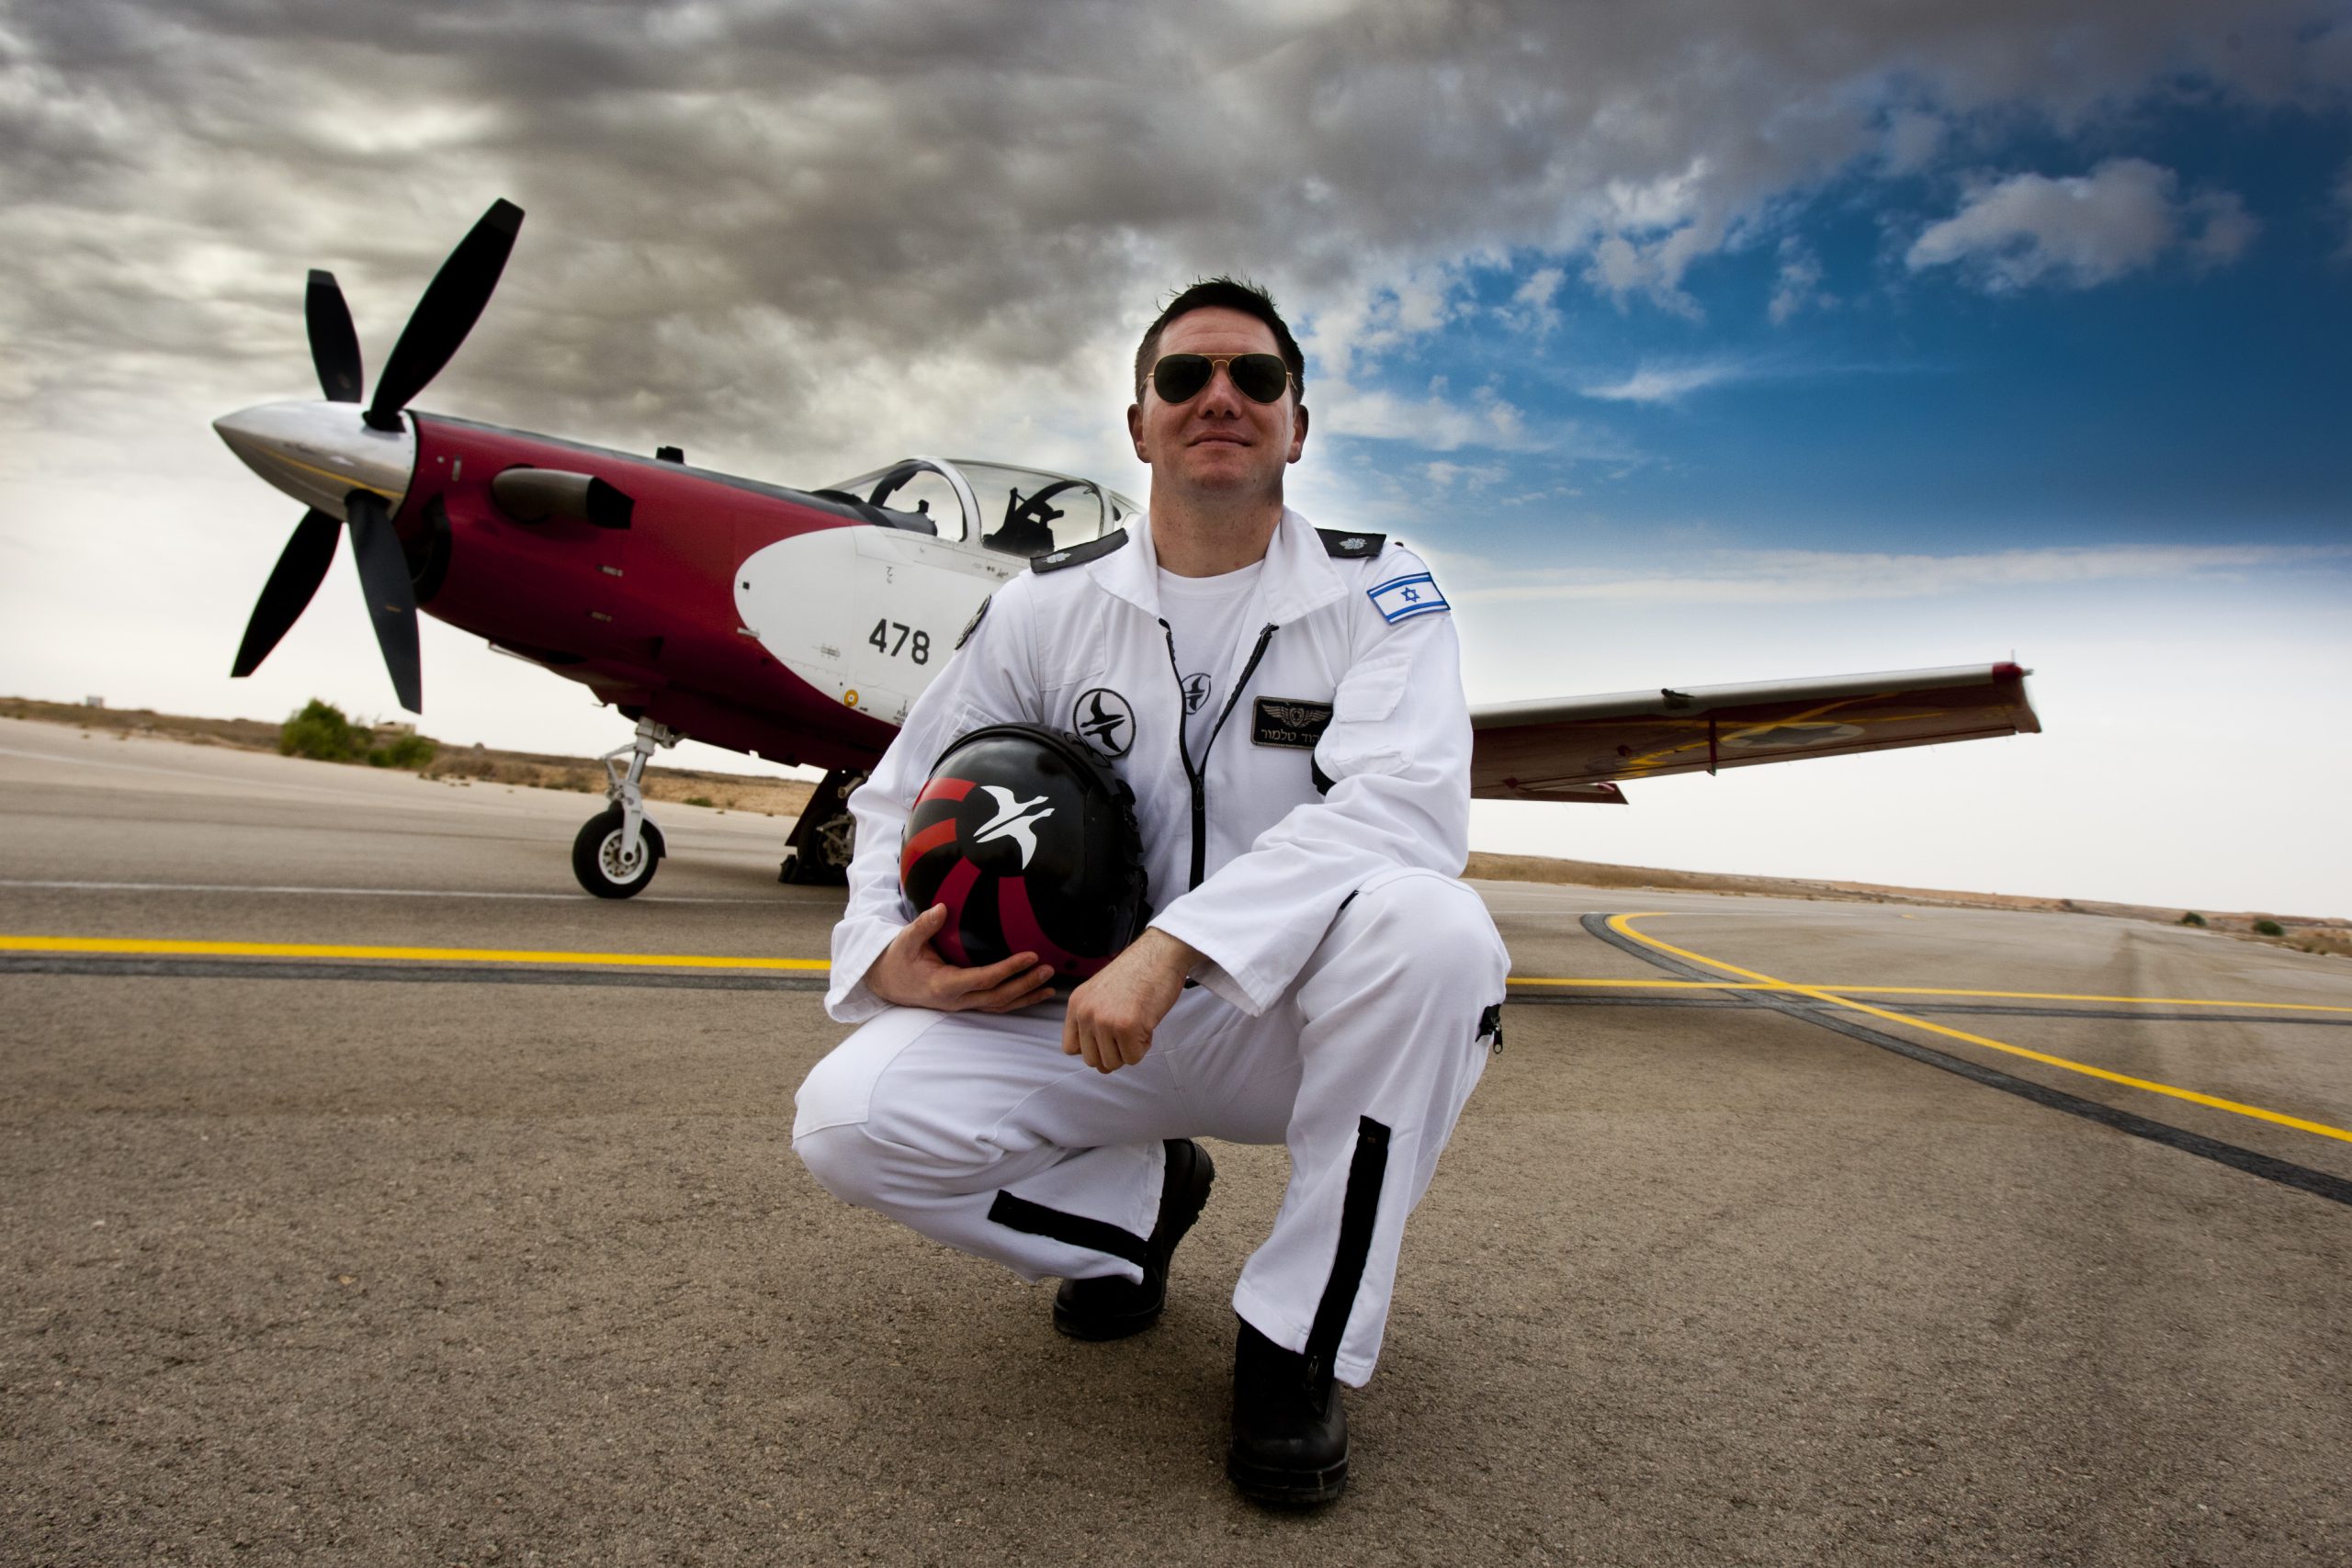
{"type": "Point", "coordinates": [1260, 377]}
{"type": "Point", "coordinates": [1178, 377]}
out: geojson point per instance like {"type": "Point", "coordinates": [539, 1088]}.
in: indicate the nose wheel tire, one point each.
{"type": "Point", "coordinates": [597, 861]}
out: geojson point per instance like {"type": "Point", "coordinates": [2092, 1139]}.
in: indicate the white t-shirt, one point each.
{"type": "Point", "coordinates": [1206, 616]}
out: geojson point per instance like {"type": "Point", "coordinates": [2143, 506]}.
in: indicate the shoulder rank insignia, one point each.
{"type": "Point", "coordinates": [1402, 598]}
{"type": "Point", "coordinates": [974, 624]}
{"type": "Point", "coordinates": [1077, 555]}
{"type": "Point", "coordinates": [1352, 547]}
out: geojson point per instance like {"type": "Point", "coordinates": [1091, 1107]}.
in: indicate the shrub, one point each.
{"type": "Point", "coordinates": [403, 751]}
{"type": "Point", "coordinates": [2268, 928]}
{"type": "Point", "coordinates": [700, 800]}
{"type": "Point", "coordinates": [2192, 919]}
{"type": "Point", "coordinates": [320, 732]}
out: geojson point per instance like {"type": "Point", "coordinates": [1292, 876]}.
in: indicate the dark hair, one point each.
{"type": "Point", "coordinates": [1231, 294]}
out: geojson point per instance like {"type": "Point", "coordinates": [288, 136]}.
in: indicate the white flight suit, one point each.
{"type": "Point", "coordinates": [1348, 1001]}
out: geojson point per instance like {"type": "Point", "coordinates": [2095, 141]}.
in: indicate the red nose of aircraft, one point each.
{"type": "Point", "coordinates": [319, 452]}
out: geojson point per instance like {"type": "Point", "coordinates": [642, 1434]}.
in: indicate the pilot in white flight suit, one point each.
{"type": "Point", "coordinates": [1286, 704]}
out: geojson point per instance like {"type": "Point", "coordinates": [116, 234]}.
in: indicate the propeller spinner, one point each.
{"type": "Point", "coordinates": [352, 466]}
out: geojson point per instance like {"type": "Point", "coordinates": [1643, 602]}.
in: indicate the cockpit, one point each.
{"type": "Point", "coordinates": [1017, 511]}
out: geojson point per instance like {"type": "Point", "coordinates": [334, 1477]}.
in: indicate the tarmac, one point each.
{"type": "Point", "coordinates": [372, 1195]}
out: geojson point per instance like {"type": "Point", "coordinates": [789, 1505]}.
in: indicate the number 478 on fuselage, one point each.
{"type": "Point", "coordinates": [798, 624]}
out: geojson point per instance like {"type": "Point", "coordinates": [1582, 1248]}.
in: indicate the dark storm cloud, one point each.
{"type": "Point", "coordinates": [742, 214]}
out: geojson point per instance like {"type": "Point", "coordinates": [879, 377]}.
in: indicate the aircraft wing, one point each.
{"type": "Point", "coordinates": [1582, 748]}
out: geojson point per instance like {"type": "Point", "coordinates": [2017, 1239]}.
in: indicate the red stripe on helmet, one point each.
{"type": "Point", "coordinates": [952, 892]}
{"type": "Point", "coordinates": [1024, 934]}
{"type": "Point", "coordinates": [930, 838]}
{"type": "Point", "coordinates": [944, 788]}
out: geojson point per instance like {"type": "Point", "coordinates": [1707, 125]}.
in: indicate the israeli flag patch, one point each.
{"type": "Point", "coordinates": [1402, 598]}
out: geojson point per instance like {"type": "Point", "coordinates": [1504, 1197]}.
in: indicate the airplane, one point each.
{"type": "Point", "coordinates": [799, 624]}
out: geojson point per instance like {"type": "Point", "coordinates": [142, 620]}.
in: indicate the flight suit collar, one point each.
{"type": "Point", "coordinates": [1298, 578]}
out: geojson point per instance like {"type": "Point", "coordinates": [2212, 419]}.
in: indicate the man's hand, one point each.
{"type": "Point", "coordinates": [912, 976]}
{"type": "Point", "coordinates": [1112, 1016]}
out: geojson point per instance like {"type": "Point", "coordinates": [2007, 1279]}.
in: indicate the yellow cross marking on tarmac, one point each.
{"type": "Point", "coordinates": [1906, 991]}
{"type": "Point", "coordinates": [1622, 925]}
{"type": "Point", "coordinates": [413, 954]}
{"type": "Point", "coordinates": [159, 947]}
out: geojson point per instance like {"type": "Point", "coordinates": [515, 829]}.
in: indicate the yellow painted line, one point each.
{"type": "Point", "coordinates": [409, 954]}
{"type": "Point", "coordinates": [2066, 997]}
{"type": "Point", "coordinates": [1622, 926]}
{"type": "Point", "coordinates": [1913, 991]}
{"type": "Point", "coordinates": [1643, 985]}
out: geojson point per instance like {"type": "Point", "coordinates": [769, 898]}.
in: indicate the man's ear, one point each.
{"type": "Point", "coordinates": [1298, 434]}
{"type": "Point", "coordinates": [1135, 429]}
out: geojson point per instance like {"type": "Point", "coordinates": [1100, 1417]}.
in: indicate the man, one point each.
{"type": "Point", "coordinates": [1286, 704]}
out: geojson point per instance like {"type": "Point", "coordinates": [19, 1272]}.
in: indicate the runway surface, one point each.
{"type": "Point", "coordinates": [375, 1196]}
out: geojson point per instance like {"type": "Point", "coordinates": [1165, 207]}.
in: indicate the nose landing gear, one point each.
{"type": "Point", "coordinates": [816, 854]}
{"type": "Point", "coordinates": [618, 849]}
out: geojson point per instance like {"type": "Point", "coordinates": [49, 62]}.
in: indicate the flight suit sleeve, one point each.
{"type": "Point", "coordinates": [1397, 754]}
{"type": "Point", "coordinates": [981, 685]}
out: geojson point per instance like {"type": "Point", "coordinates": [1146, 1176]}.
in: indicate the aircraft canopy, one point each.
{"type": "Point", "coordinates": [1021, 512]}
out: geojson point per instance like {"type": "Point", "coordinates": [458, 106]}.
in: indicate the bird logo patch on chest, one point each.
{"type": "Point", "coordinates": [1103, 717]}
{"type": "Point", "coordinates": [1289, 721]}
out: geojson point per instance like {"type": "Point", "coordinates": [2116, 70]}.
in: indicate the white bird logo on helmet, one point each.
{"type": "Point", "coordinates": [1015, 819]}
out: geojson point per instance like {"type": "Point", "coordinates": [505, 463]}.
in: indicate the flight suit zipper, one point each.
{"type": "Point", "coordinates": [1197, 775]}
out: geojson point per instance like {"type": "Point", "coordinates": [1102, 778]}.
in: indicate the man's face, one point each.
{"type": "Point", "coordinates": [1217, 443]}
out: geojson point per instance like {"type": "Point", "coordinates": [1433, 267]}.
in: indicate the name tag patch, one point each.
{"type": "Point", "coordinates": [1289, 721]}
{"type": "Point", "coordinates": [1402, 598]}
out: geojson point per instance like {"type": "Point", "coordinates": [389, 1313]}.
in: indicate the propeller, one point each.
{"type": "Point", "coordinates": [451, 304]}
{"type": "Point", "coordinates": [334, 344]}
{"type": "Point", "coordinates": [391, 596]}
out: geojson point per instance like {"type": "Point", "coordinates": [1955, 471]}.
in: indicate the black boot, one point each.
{"type": "Point", "coordinates": [1289, 1431]}
{"type": "Point", "coordinates": [1112, 1308]}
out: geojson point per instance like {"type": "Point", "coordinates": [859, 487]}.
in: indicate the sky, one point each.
{"type": "Point", "coordinates": [1700, 341]}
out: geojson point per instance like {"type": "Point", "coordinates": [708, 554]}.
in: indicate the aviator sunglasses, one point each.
{"type": "Point", "coordinates": [1261, 378]}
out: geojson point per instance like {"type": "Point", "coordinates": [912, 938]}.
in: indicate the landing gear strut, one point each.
{"type": "Point", "coordinates": [816, 854]}
{"type": "Point", "coordinates": [618, 850]}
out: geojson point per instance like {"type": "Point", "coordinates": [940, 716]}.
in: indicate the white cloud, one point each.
{"type": "Point", "coordinates": [800, 240]}
{"type": "Point", "coordinates": [1622, 268]}
{"type": "Point", "coordinates": [1358, 324]}
{"type": "Point", "coordinates": [1667, 383]}
{"type": "Point", "coordinates": [2080, 231]}
{"type": "Point", "coordinates": [1798, 288]}
{"type": "Point", "coordinates": [1472, 477]}
{"type": "Point", "coordinates": [2226, 230]}
{"type": "Point", "coordinates": [1820, 577]}
{"type": "Point", "coordinates": [1434, 422]}
{"type": "Point", "coordinates": [1533, 308]}
{"type": "Point", "coordinates": [1913, 140]}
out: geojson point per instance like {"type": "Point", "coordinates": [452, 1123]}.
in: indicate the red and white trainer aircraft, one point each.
{"type": "Point", "coordinates": [799, 623]}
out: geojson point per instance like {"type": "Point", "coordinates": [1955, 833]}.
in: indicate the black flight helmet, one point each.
{"type": "Point", "coordinates": [1030, 841]}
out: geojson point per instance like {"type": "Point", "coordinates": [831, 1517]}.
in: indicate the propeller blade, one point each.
{"type": "Point", "coordinates": [451, 305]}
{"type": "Point", "coordinates": [335, 346]}
{"type": "Point", "coordinates": [301, 568]}
{"type": "Point", "coordinates": [391, 596]}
